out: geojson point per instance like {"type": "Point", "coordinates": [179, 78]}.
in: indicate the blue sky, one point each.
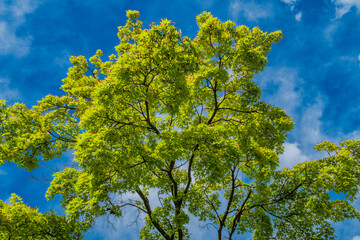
{"type": "Point", "coordinates": [313, 72]}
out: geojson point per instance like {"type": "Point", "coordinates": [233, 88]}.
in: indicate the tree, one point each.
{"type": "Point", "coordinates": [19, 221]}
{"type": "Point", "coordinates": [183, 120]}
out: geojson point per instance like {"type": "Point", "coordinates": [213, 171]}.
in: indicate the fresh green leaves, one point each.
{"type": "Point", "coordinates": [41, 133]}
{"type": "Point", "coordinates": [19, 221]}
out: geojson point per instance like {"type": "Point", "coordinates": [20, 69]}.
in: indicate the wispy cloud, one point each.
{"type": "Point", "coordinates": [309, 130]}
{"type": "Point", "coordinates": [2, 172]}
{"type": "Point", "coordinates": [311, 124]}
{"type": "Point", "coordinates": [252, 11]}
{"type": "Point", "coordinates": [356, 238]}
{"type": "Point", "coordinates": [13, 16]}
{"type": "Point", "coordinates": [6, 92]}
{"type": "Point", "coordinates": [282, 87]}
{"type": "Point", "coordinates": [330, 30]}
{"type": "Point", "coordinates": [10, 43]}
{"type": "Point", "coordinates": [344, 6]}
{"type": "Point", "coordinates": [290, 2]}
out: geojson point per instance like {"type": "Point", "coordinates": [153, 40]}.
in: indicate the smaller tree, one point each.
{"type": "Point", "coordinates": [19, 221]}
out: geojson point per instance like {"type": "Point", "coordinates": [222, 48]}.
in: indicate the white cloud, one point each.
{"type": "Point", "coordinates": [288, 92]}
{"type": "Point", "coordinates": [344, 6]}
{"type": "Point", "coordinates": [355, 135]}
{"type": "Point", "coordinates": [348, 58]}
{"type": "Point", "coordinates": [291, 156]}
{"type": "Point", "coordinates": [310, 124]}
{"type": "Point", "coordinates": [356, 238]}
{"type": "Point", "coordinates": [21, 7]}
{"type": "Point", "coordinates": [289, 1]}
{"type": "Point", "coordinates": [6, 92]}
{"type": "Point", "coordinates": [250, 10]}
{"type": "Point", "coordinates": [2, 172]}
{"type": "Point", "coordinates": [13, 17]}
{"type": "Point", "coordinates": [10, 43]}
{"type": "Point", "coordinates": [298, 16]}
{"type": "Point", "coordinates": [330, 31]}
{"type": "Point", "coordinates": [282, 87]}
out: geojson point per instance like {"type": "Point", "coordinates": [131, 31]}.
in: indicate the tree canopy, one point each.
{"type": "Point", "coordinates": [180, 119]}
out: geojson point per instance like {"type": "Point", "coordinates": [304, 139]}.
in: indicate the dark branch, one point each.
{"type": "Point", "coordinates": [149, 212]}
{"type": "Point", "coordinates": [238, 215]}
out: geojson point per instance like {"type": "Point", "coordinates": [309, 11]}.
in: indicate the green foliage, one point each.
{"type": "Point", "coordinates": [182, 119]}
{"type": "Point", "coordinates": [19, 221]}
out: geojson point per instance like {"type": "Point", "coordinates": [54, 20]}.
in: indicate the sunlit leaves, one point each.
{"type": "Point", "coordinates": [19, 221]}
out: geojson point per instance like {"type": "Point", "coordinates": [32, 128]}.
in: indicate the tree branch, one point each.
{"type": "Point", "coordinates": [149, 212]}
{"type": "Point", "coordinates": [223, 219]}
{"type": "Point", "coordinates": [238, 110]}
{"type": "Point", "coordinates": [148, 119]}
{"type": "Point", "coordinates": [238, 215]}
